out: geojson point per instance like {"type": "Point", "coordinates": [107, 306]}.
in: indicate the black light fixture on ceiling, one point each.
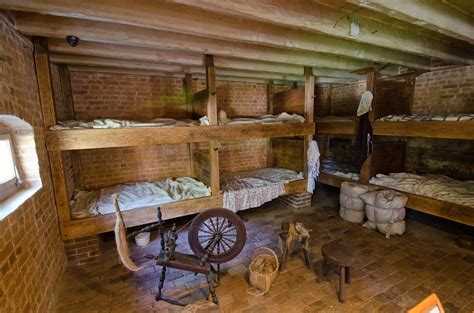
{"type": "Point", "coordinates": [72, 40]}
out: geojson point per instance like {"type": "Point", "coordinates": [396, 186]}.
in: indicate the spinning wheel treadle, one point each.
{"type": "Point", "coordinates": [217, 235]}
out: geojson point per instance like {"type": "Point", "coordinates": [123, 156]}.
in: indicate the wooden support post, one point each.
{"type": "Point", "coordinates": [308, 112]}
{"type": "Point", "coordinates": [66, 91]}
{"type": "Point", "coordinates": [212, 115]}
{"type": "Point", "coordinates": [365, 171]}
{"type": "Point", "coordinates": [270, 90]}
{"type": "Point", "coordinates": [329, 101]}
{"type": "Point", "coordinates": [43, 75]}
{"type": "Point", "coordinates": [188, 89]}
{"type": "Point", "coordinates": [191, 159]}
{"type": "Point", "coordinates": [295, 85]}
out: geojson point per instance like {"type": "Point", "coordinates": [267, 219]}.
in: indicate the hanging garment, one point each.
{"type": "Point", "coordinates": [363, 145]}
{"type": "Point", "coordinates": [313, 165]}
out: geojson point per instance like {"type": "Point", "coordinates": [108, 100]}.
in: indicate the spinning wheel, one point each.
{"type": "Point", "coordinates": [217, 235]}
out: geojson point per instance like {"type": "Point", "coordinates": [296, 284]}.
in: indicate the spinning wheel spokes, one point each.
{"type": "Point", "coordinates": [217, 235]}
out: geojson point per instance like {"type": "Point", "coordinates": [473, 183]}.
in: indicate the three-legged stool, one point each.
{"type": "Point", "coordinates": [342, 256]}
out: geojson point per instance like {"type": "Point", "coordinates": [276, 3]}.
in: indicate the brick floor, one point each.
{"type": "Point", "coordinates": [390, 275]}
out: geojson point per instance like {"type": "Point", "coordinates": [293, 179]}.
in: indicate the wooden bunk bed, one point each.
{"type": "Point", "coordinates": [61, 141]}
{"type": "Point", "coordinates": [387, 102]}
{"type": "Point", "coordinates": [388, 156]}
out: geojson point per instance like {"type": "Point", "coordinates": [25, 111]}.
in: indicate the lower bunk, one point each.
{"type": "Point", "coordinates": [93, 211]}
{"type": "Point", "coordinates": [421, 200]}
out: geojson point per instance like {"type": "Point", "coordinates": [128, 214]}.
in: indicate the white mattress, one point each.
{"type": "Point", "coordinates": [433, 186]}
{"type": "Point", "coordinates": [136, 195]}
{"type": "Point", "coordinates": [251, 189]}
{"type": "Point", "coordinates": [114, 123]}
{"type": "Point", "coordinates": [427, 118]}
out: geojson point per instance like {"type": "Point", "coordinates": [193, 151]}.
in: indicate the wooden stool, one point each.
{"type": "Point", "coordinates": [342, 256]}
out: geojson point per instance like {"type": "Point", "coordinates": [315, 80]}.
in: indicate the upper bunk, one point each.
{"type": "Point", "coordinates": [391, 115]}
{"type": "Point", "coordinates": [287, 118]}
{"type": "Point", "coordinates": [78, 139]}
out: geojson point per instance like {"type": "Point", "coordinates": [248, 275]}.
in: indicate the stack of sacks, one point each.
{"type": "Point", "coordinates": [352, 206]}
{"type": "Point", "coordinates": [385, 210]}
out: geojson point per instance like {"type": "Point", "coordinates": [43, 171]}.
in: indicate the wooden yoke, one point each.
{"type": "Point", "coordinates": [212, 115]}
{"type": "Point", "coordinates": [43, 75]}
{"type": "Point", "coordinates": [308, 112]}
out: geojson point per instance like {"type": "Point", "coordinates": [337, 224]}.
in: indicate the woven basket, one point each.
{"type": "Point", "coordinates": [261, 281]}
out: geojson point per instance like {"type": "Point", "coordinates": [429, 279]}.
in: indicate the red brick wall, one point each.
{"type": "Point", "coordinates": [345, 99]}
{"type": "Point", "coordinates": [243, 155]}
{"type": "Point", "coordinates": [143, 97]}
{"type": "Point", "coordinates": [445, 91]}
{"type": "Point", "coordinates": [106, 167]}
{"type": "Point", "coordinates": [120, 96]}
{"type": "Point", "coordinates": [31, 252]}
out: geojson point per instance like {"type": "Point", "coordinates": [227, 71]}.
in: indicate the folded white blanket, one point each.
{"type": "Point", "coordinates": [114, 123]}
{"type": "Point", "coordinates": [434, 186]}
{"type": "Point", "coordinates": [137, 195]}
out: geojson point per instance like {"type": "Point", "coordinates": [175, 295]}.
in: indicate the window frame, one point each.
{"type": "Point", "coordinates": [10, 186]}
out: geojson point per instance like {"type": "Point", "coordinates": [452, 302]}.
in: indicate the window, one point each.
{"type": "Point", "coordinates": [8, 172]}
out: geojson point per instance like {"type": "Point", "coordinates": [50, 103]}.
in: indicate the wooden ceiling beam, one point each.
{"type": "Point", "coordinates": [313, 16]}
{"type": "Point", "coordinates": [192, 21]}
{"type": "Point", "coordinates": [434, 15]}
{"type": "Point", "coordinates": [169, 69]}
{"type": "Point", "coordinates": [102, 32]}
{"type": "Point", "coordinates": [98, 69]}
{"type": "Point", "coordinates": [184, 58]}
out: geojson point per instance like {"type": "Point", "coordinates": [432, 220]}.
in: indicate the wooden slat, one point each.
{"type": "Point", "coordinates": [290, 101]}
{"type": "Point", "coordinates": [104, 223]}
{"type": "Point", "coordinates": [450, 211]}
{"type": "Point", "coordinates": [427, 129]}
{"type": "Point", "coordinates": [77, 139]}
{"type": "Point", "coordinates": [296, 186]}
{"type": "Point", "coordinates": [336, 128]}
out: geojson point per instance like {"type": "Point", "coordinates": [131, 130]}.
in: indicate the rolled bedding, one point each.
{"type": "Point", "coordinates": [351, 205]}
{"type": "Point", "coordinates": [385, 211]}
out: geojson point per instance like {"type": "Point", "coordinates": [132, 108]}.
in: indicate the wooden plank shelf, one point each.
{"type": "Point", "coordinates": [77, 139]}
{"type": "Point", "coordinates": [77, 228]}
{"type": "Point", "coordinates": [424, 129]}
{"type": "Point", "coordinates": [447, 210]}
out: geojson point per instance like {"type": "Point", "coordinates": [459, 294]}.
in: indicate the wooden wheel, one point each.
{"type": "Point", "coordinates": [218, 233]}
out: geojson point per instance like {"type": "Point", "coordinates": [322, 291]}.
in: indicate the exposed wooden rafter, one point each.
{"type": "Point", "coordinates": [311, 15]}
{"type": "Point", "coordinates": [167, 69]}
{"type": "Point", "coordinates": [185, 58]}
{"type": "Point", "coordinates": [434, 15]}
{"type": "Point", "coordinates": [187, 20]}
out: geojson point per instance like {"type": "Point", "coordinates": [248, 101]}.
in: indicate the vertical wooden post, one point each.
{"type": "Point", "coordinates": [295, 85]}
{"type": "Point", "coordinates": [329, 100]}
{"type": "Point", "coordinates": [365, 171]}
{"type": "Point", "coordinates": [212, 115]}
{"type": "Point", "coordinates": [188, 89]}
{"type": "Point", "coordinates": [43, 75]}
{"type": "Point", "coordinates": [308, 112]}
{"type": "Point", "coordinates": [270, 90]}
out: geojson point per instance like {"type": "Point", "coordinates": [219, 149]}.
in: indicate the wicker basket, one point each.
{"type": "Point", "coordinates": [258, 280]}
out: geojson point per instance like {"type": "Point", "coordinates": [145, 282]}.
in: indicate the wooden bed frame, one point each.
{"type": "Point", "coordinates": [447, 210]}
{"type": "Point", "coordinates": [389, 156]}
{"type": "Point", "coordinates": [197, 104]}
{"type": "Point", "coordinates": [394, 96]}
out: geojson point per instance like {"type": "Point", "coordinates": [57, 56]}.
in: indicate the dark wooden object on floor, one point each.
{"type": "Point", "coordinates": [342, 256]}
{"type": "Point", "coordinates": [285, 226]}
